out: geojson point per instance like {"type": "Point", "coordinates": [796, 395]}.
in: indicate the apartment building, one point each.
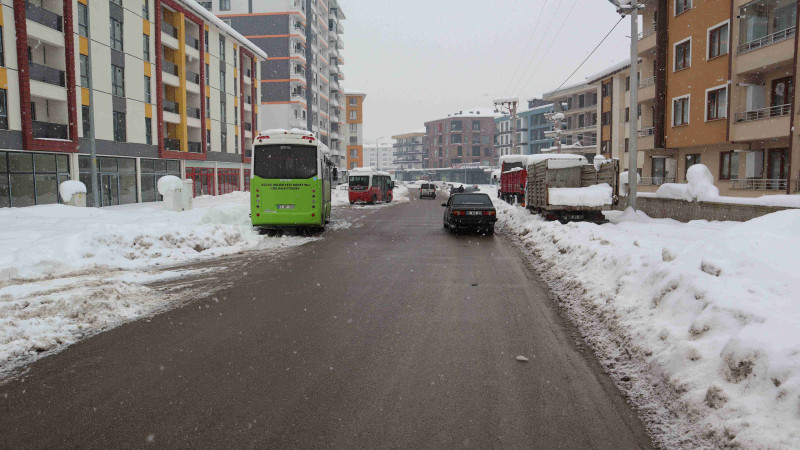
{"type": "Point", "coordinates": [578, 103]}
{"type": "Point", "coordinates": [379, 155]}
{"type": "Point", "coordinates": [354, 132]}
{"type": "Point", "coordinates": [156, 82]}
{"type": "Point", "coordinates": [726, 70]}
{"type": "Point", "coordinates": [302, 75]}
{"type": "Point", "coordinates": [534, 125]}
{"type": "Point", "coordinates": [462, 137]}
{"type": "Point", "coordinates": [409, 150]}
{"type": "Point", "coordinates": [504, 137]}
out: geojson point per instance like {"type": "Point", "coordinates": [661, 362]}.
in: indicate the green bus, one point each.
{"type": "Point", "coordinates": [290, 184]}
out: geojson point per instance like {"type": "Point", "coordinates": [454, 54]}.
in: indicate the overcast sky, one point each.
{"type": "Point", "coordinates": [420, 60]}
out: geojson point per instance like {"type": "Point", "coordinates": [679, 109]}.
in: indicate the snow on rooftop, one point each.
{"type": "Point", "coordinates": [608, 71]}
{"type": "Point", "coordinates": [474, 112]}
{"type": "Point", "coordinates": [354, 92]}
{"type": "Point", "coordinates": [210, 17]}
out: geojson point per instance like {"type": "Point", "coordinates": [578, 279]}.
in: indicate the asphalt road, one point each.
{"type": "Point", "coordinates": [392, 333]}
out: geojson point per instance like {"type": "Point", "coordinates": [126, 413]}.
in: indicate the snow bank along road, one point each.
{"type": "Point", "coordinates": [388, 332]}
{"type": "Point", "coordinates": [697, 322]}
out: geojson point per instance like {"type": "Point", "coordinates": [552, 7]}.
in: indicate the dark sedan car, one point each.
{"type": "Point", "coordinates": [473, 210]}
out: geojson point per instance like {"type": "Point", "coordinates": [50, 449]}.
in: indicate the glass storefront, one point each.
{"type": "Point", "coordinates": [203, 179]}
{"type": "Point", "coordinates": [228, 180]}
{"type": "Point", "coordinates": [152, 170]}
{"type": "Point", "coordinates": [116, 179]}
{"type": "Point", "coordinates": [28, 178]}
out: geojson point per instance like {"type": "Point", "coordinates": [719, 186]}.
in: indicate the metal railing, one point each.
{"type": "Point", "coordinates": [773, 38]}
{"type": "Point", "coordinates": [172, 144]}
{"type": "Point", "coordinates": [191, 111]}
{"type": "Point", "coordinates": [169, 67]}
{"type": "Point", "coordinates": [46, 74]}
{"type": "Point", "coordinates": [648, 131]}
{"type": "Point", "coordinates": [248, 100]}
{"type": "Point", "coordinates": [169, 29]}
{"type": "Point", "coordinates": [647, 82]}
{"type": "Point", "coordinates": [172, 107]}
{"type": "Point", "coordinates": [763, 113]}
{"type": "Point", "coordinates": [760, 184]}
{"type": "Point", "coordinates": [248, 126]}
{"type": "Point", "coordinates": [195, 147]}
{"type": "Point", "coordinates": [49, 130]}
{"type": "Point", "coordinates": [193, 42]}
{"type": "Point", "coordinates": [647, 31]}
{"type": "Point", "coordinates": [43, 17]}
{"type": "Point", "coordinates": [656, 181]}
{"type": "Point", "coordinates": [193, 77]}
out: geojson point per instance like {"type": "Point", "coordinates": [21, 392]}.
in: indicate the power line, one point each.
{"type": "Point", "coordinates": [519, 62]}
{"type": "Point", "coordinates": [547, 51]}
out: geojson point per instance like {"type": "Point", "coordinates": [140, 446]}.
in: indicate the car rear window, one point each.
{"type": "Point", "coordinates": [472, 199]}
{"type": "Point", "coordinates": [427, 186]}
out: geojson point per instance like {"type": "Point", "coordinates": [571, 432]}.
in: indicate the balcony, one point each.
{"type": "Point", "coordinates": [169, 35]}
{"type": "Point", "coordinates": [192, 42]}
{"type": "Point", "coordinates": [760, 184]}
{"type": "Point", "coordinates": [169, 67]}
{"type": "Point", "coordinates": [773, 38]}
{"type": "Point", "coordinates": [194, 147]}
{"type": "Point", "coordinates": [169, 30]}
{"type": "Point", "coordinates": [647, 39]}
{"type": "Point", "coordinates": [763, 113]}
{"type": "Point", "coordinates": [46, 74]}
{"type": "Point", "coordinates": [44, 17]}
{"type": "Point", "coordinates": [48, 130]}
{"type": "Point", "coordinates": [192, 77]}
{"type": "Point", "coordinates": [248, 126]}
{"type": "Point", "coordinates": [171, 107]}
{"type": "Point", "coordinates": [192, 112]}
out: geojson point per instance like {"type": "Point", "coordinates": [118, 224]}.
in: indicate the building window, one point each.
{"type": "Point", "coordinates": [235, 115]}
{"type": "Point", "coordinates": [146, 47]}
{"type": "Point", "coordinates": [455, 125]}
{"type": "Point", "coordinates": [86, 121]}
{"type": "Point", "coordinates": [681, 6]}
{"type": "Point", "coordinates": [606, 118]}
{"type": "Point", "coordinates": [717, 104]}
{"type": "Point", "coordinates": [147, 93]}
{"type": "Point", "coordinates": [728, 165]}
{"type": "Point", "coordinates": [116, 34]}
{"type": "Point", "coordinates": [606, 90]}
{"type": "Point", "coordinates": [222, 80]}
{"type": "Point", "coordinates": [476, 151]}
{"type": "Point", "coordinates": [353, 101]}
{"type": "Point", "coordinates": [627, 83]}
{"type": "Point", "coordinates": [718, 41]}
{"type": "Point", "coordinates": [148, 131]}
{"type": "Point", "coordinates": [205, 39]}
{"type": "Point", "coordinates": [84, 70]}
{"type": "Point", "coordinates": [683, 55]}
{"type": "Point", "coordinates": [208, 107]}
{"type": "Point", "coordinates": [455, 139]}
{"type": "Point", "coordinates": [3, 109]}
{"type": "Point", "coordinates": [117, 81]}
{"type": "Point", "coordinates": [83, 20]}
{"type": "Point", "coordinates": [119, 126]}
{"type": "Point", "coordinates": [353, 115]}
{"type": "Point", "coordinates": [627, 114]}
{"type": "Point", "coordinates": [221, 49]}
{"type": "Point", "coordinates": [207, 73]}
{"type": "Point", "coordinates": [680, 111]}
{"type": "Point", "coordinates": [208, 140]}
{"type": "Point", "coordinates": [691, 160]}
{"type": "Point", "coordinates": [222, 115]}
{"type": "Point", "coordinates": [459, 151]}
{"type": "Point", "coordinates": [236, 146]}
{"type": "Point", "coordinates": [146, 9]}
{"type": "Point", "coordinates": [224, 5]}
{"type": "Point", "coordinates": [627, 143]}
{"type": "Point", "coordinates": [223, 141]}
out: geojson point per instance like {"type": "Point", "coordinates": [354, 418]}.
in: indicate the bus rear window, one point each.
{"type": "Point", "coordinates": [285, 161]}
{"type": "Point", "coordinates": [359, 181]}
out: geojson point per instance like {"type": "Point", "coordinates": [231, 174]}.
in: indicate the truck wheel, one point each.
{"type": "Point", "coordinates": [352, 203]}
{"type": "Point", "coordinates": [389, 199]}
{"type": "Point", "coordinates": [374, 199]}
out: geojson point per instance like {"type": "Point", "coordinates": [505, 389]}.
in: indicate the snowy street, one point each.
{"type": "Point", "coordinates": [408, 338]}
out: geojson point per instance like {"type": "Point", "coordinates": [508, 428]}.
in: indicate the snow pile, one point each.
{"type": "Point", "coordinates": [595, 195]}
{"type": "Point", "coordinates": [69, 188]}
{"type": "Point", "coordinates": [697, 322]}
{"type": "Point", "coordinates": [168, 183]}
{"type": "Point", "coordinates": [700, 186]}
{"type": "Point", "coordinates": [623, 183]}
{"type": "Point", "coordinates": [51, 240]}
{"type": "Point", "coordinates": [599, 160]}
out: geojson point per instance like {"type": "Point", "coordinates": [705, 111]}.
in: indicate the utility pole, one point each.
{"type": "Point", "coordinates": [509, 106]}
{"type": "Point", "coordinates": [557, 132]}
{"type": "Point", "coordinates": [91, 137]}
{"type": "Point", "coordinates": [632, 7]}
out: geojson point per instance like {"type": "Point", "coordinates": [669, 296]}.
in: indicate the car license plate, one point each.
{"type": "Point", "coordinates": [285, 206]}
{"type": "Point", "coordinates": [474, 213]}
{"type": "Point", "coordinates": [575, 217]}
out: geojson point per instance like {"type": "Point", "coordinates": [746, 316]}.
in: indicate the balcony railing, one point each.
{"type": "Point", "coordinates": [43, 17]}
{"type": "Point", "coordinates": [191, 111]}
{"type": "Point", "coordinates": [169, 29]}
{"type": "Point", "coordinates": [46, 74]}
{"type": "Point", "coordinates": [656, 181]}
{"type": "Point", "coordinates": [773, 38]}
{"type": "Point", "coordinates": [248, 100]}
{"type": "Point", "coordinates": [648, 131]}
{"type": "Point", "coordinates": [193, 42]}
{"type": "Point", "coordinates": [647, 82]}
{"type": "Point", "coordinates": [247, 72]}
{"type": "Point", "coordinates": [195, 147]}
{"type": "Point", "coordinates": [763, 113]}
{"type": "Point", "coordinates": [647, 31]}
{"type": "Point", "coordinates": [172, 107]}
{"type": "Point", "coordinates": [48, 130]}
{"type": "Point", "coordinates": [760, 184]}
{"type": "Point", "coordinates": [172, 144]}
{"type": "Point", "coordinates": [248, 126]}
{"type": "Point", "coordinates": [193, 77]}
{"type": "Point", "coordinates": [168, 67]}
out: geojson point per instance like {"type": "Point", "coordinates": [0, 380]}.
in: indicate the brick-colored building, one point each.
{"type": "Point", "coordinates": [354, 133]}
{"type": "Point", "coordinates": [463, 137]}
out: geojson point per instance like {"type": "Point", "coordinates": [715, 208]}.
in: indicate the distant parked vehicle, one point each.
{"type": "Point", "coordinates": [427, 190]}
{"type": "Point", "coordinates": [369, 186]}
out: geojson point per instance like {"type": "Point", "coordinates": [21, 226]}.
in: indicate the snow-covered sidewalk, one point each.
{"type": "Point", "coordinates": [699, 322]}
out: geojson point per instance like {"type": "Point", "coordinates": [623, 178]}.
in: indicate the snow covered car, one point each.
{"type": "Point", "coordinates": [427, 190]}
{"type": "Point", "coordinates": [469, 211]}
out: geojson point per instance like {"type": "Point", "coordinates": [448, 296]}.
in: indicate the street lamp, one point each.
{"type": "Point", "coordinates": [632, 7]}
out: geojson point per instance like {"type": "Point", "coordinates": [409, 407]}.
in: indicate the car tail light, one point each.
{"type": "Point", "coordinates": [459, 213]}
{"type": "Point", "coordinates": [489, 213]}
